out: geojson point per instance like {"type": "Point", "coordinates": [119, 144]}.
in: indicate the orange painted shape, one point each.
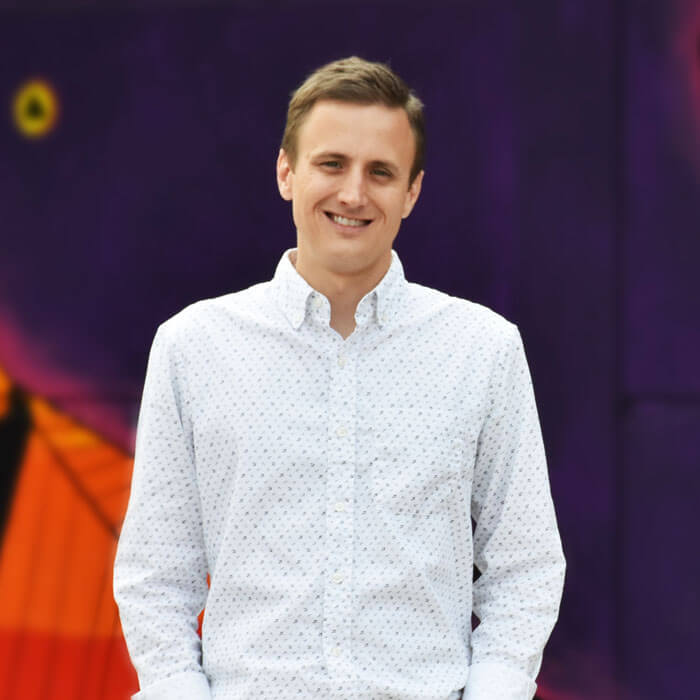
{"type": "Point", "coordinates": [59, 545]}
{"type": "Point", "coordinates": [60, 637]}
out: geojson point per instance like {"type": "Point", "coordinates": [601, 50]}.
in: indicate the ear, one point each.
{"type": "Point", "coordinates": [412, 194]}
{"type": "Point", "coordinates": [285, 175]}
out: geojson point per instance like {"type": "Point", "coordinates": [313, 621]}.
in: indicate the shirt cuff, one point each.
{"type": "Point", "coordinates": [184, 686]}
{"type": "Point", "coordinates": [490, 681]}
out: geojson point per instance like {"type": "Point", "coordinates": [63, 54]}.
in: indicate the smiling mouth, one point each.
{"type": "Point", "coordinates": [346, 221]}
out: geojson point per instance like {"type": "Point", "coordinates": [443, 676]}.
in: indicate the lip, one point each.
{"type": "Point", "coordinates": [346, 230]}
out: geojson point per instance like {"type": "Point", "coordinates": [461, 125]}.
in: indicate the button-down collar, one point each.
{"type": "Point", "coordinates": [294, 295]}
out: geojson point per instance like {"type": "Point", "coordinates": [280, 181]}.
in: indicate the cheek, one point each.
{"type": "Point", "coordinates": [306, 210]}
{"type": "Point", "coordinates": [397, 207]}
{"type": "Point", "coordinates": [312, 198]}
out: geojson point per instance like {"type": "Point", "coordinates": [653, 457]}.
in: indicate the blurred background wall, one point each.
{"type": "Point", "coordinates": [562, 189]}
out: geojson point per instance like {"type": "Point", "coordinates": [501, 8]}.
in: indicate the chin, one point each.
{"type": "Point", "coordinates": [354, 261]}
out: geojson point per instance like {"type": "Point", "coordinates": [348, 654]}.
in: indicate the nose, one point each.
{"type": "Point", "coordinates": [353, 191]}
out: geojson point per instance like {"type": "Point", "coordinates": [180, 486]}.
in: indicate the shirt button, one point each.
{"type": "Point", "coordinates": [341, 361]}
{"type": "Point", "coordinates": [335, 651]}
{"type": "Point", "coordinates": [342, 431]}
{"type": "Point", "coordinates": [340, 506]}
{"type": "Point", "coordinates": [337, 577]}
{"type": "Point", "coordinates": [317, 302]}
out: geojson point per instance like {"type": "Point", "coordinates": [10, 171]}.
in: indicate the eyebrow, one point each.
{"type": "Point", "coordinates": [341, 156]}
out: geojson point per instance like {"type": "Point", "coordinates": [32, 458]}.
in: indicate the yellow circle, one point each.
{"type": "Point", "coordinates": [35, 108]}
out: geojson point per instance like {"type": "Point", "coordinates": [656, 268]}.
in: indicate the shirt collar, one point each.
{"type": "Point", "coordinates": [292, 292]}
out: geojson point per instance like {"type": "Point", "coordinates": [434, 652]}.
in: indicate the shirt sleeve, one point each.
{"type": "Point", "coordinates": [160, 567]}
{"type": "Point", "coordinates": [517, 547]}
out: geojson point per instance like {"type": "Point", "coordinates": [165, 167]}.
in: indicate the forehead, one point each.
{"type": "Point", "coordinates": [372, 132]}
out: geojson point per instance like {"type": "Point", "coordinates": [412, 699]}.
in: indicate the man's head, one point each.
{"type": "Point", "coordinates": [355, 81]}
{"type": "Point", "coordinates": [351, 164]}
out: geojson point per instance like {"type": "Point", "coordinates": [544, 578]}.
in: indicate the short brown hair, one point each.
{"type": "Point", "coordinates": [358, 81]}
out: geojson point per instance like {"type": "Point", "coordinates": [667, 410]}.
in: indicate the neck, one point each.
{"type": "Point", "coordinates": [343, 289]}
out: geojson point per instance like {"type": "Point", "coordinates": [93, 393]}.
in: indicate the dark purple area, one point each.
{"type": "Point", "coordinates": [661, 605]}
{"type": "Point", "coordinates": [662, 242]}
{"type": "Point", "coordinates": [560, 190]}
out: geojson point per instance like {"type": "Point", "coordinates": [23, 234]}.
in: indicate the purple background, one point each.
{"type": "Point", "coordinates": [562, 187]}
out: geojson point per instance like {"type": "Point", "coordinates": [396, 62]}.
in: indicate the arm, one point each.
{"type": "Point", "coordinates": [160, 567]}
{"type": "Point", "coordinates": [516, 543]}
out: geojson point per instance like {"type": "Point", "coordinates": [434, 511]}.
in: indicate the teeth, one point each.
{"type": "Point", "coordinates": [347, 222]}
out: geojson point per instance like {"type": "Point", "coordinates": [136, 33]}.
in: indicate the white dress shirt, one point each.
{"type": "Point", "coordinates": [328, 488]}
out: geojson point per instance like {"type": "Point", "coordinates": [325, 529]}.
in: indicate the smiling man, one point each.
{"type": "Point", "coordinates": [337, 449]}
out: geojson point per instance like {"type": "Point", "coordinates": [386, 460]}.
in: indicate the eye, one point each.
{"type": "Point", "coordinates": [381, 172]}
{"type": "Point", "coordinates": [332, 164]}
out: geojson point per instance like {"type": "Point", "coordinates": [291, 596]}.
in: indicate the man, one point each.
{"type": "Point", "coordinates": [319, 445]}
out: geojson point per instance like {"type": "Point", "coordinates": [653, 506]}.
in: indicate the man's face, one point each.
{"type": "Point", "coordinates": [349, 187]}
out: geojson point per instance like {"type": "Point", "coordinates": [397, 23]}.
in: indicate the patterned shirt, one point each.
{"type": "Point", "coordinates": [327, 499]}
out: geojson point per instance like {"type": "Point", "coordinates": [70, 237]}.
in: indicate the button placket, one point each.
{"type": "Point", "coordinates": [340, 485]}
